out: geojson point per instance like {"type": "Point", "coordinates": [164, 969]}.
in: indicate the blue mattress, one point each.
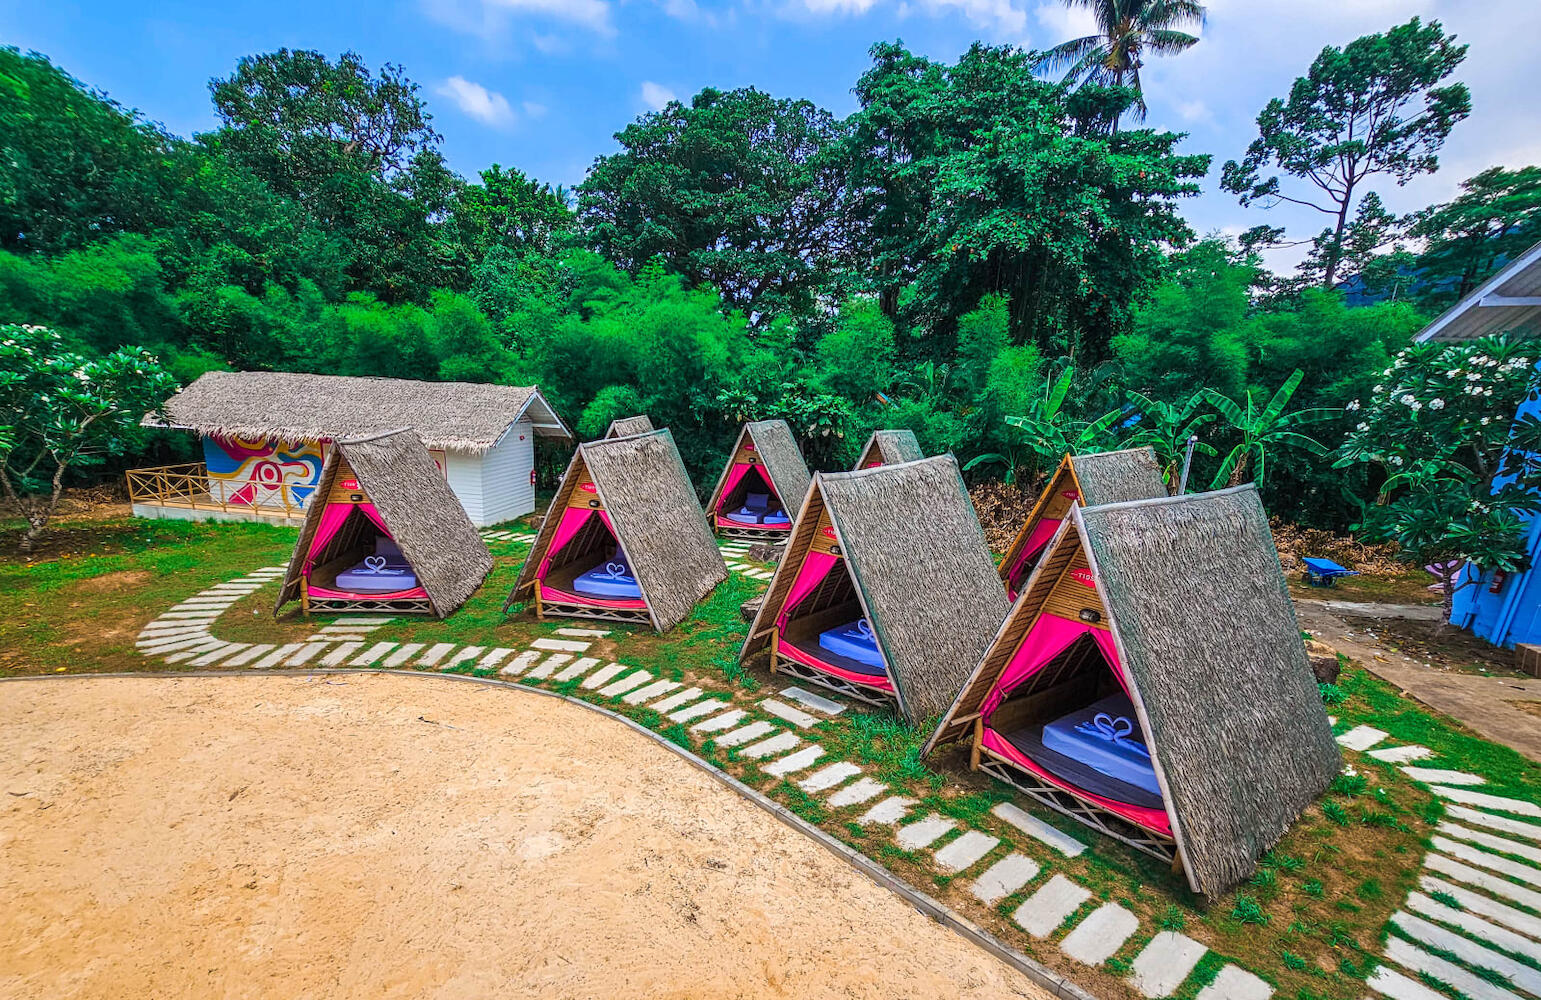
{"type": "Point", "coordinates": [377, 574]}
{"type": "Point", "coordinates": [611, 580]}
{"type": "Point", "coordinates": [759, 508]}
{"type": "Point", "coordinates": [853, 640]}
{"type": "Point", "coordinates": [1106, 737]}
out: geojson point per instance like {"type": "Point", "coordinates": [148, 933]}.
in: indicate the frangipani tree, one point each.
{"type": "Point", "coordinates": [1263, 430]}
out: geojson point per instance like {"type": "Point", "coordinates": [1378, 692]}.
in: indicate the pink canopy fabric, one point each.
{"type": "Point", "coordinates": [550, 593]}
{"type": "Point", "coordinates": [815, 567]}
{"type": "Point", "coordinates": [332, 520]}
{"type": "Point", "coordinates": [1049, 636]}
{"type": "Point", "coordinates": [1150, 819]}
{"type": "Point", "coordinates": [349, 595]}
{"type": "Point", "coordinates": [791, 652]}
{"type": "Point", "coordinates": [573, 518]}
{"type": "Point", "coordinates": [1036, 540]}
{"type": "Point", "coordinates": [735, 475]}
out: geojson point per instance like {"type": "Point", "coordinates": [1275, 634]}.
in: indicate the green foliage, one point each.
{"type": "Point", "coordinates": [1335, 812]}
{"type": "Point", "coordinates": [1331, 694]}
{"type": "Point", "coordinates": [1126, 30]}
{"type": "Point", "coordinates": [1247, 910]}
{"type": "Point", "coordinates": [1262, 429]}
{"type": "Point", "coordinates": [1496, 217]}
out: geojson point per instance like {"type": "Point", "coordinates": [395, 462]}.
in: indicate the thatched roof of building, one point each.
{"type": "Point", "coordinates": [642, 483]}
{"type": "Point", "coordinates": [890, 448]}
{"type": "Point", "coordinates": [425, 518]}
{"type": "Point", "coordinates": [627, 426]}
{"type": "Point", "coordinates": [292, 406]}
{"type": "Point", "coordinates": [779, 456]}
{"type": "Point", "coordinates": [922, 572]}
{"type": "Point", "coordinates": [1205, 630]}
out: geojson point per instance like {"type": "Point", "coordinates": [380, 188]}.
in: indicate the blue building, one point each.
{"type": "Point", "coordinates": [1503, 608]}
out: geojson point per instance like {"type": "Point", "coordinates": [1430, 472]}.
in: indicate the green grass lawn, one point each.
{"type": "Point", "coordinates": [1310, 921]}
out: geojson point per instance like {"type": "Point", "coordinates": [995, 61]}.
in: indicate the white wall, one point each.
{"type": "Point", "coordinates": [506, 490]}
{"type": "Point", "coordinates": [463, 471]}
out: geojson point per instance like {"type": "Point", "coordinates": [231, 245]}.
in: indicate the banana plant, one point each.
{"type": "Point", "coordinates": [1052, 431]}
{"type": "Point", "coordinates": [1264, 429]}
{"type": "Point", "coordinates": [1166, 428]}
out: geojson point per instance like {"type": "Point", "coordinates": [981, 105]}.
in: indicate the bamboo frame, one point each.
{"type": "Point", "coordinates": [187, 487]}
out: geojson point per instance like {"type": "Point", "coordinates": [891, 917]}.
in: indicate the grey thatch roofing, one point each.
{"type": "Point", "coordinates": [779, 456]}
{"type": "Point", "coordinates": [626, 426]}
{"type": "Point", "coordinates": [892, 447]}
{"type": "Point", "coordinates": [291, 406]}
{"type": "Point", "coordinates": [1206, 633]}
{"type": "Point", "coordinates": [642, 483]}
{"type": "Point", "coordinates": [922, 571]}
{"type": "Point", "coordinates": [425, 518]}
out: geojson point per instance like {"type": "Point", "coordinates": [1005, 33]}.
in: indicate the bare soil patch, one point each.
{"type": "Point", "coordinates": [374, 835]}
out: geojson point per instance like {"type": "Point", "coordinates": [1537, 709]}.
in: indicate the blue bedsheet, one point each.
{"type": "Point", "coordinates": [377, 574]}
{"type": "Point", "coordinates": [611, 580]}
{"type": "Point", "coordinates": [1105, 736]}
{"type": "Point", "coordinates": [854, 640]}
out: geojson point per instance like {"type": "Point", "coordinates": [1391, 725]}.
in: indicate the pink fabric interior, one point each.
{"type": "Point", "coordinates": [1042, 532]}
{"type": "Point", "coordinates": [1049, 636]}
{"type": "Point", "coordinates": [573, 518]}
{"type": "Point", "coordinates": [791, 652]}
{"type": "Point", "coordinates": [332, 519]}
{"type": "Point", "coordinates": [1150, 819]}
{"type": "Point", "coordinates": [815, 567]}
{"type": "Point", "coordinates": [349, 595]}
{"type": "Point", "coordinates": [734, 475]}
{"type": "Point", "coordinates": [550, 593]}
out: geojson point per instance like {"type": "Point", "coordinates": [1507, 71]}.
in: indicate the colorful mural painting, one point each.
{"type": "Point", "coordinates": [261, 473]}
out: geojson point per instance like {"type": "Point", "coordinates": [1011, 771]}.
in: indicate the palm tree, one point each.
{"type": "Point", "coordinates": [1126, 31]}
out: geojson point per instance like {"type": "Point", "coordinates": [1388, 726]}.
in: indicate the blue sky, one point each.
{"type": "Point", "coordinates": [544, 84]}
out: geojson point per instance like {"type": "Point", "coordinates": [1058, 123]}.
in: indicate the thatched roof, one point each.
{"type": "Point", "coordinates": [1098, 478]}
{"type": "Point", "coordinates": [291, 406]}
{"type": "Point", "coordinates": [1205, 630]}
{"type": "Point", "coordinates": [626, 426]}
{"type": "Point", "coordinates": [890, 448]}
{"type": "Point", "coordinates": [642, 483]}
{"type": "Point", "coordinates": [427, 521]}
{"type": "Point", "coordinates": [779, 456]}
{"type": "Point", "coordinates": [922, 572]}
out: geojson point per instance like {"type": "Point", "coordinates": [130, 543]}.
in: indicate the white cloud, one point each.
{"type": "Point", "coordinates": [1194, 111]}
{"type": "Point", "coordinates": [591, 14]}
{"type": "Point", "coordinates": [489, 19]}
{"type": "Point", "coordinates": [656, 95]}
{"type": "Point", "coordinates": [534, 109]}
{"type": "Point", "coordinates": [1005, 20]}
{"type": "Point", "coordinates": [486, 106]}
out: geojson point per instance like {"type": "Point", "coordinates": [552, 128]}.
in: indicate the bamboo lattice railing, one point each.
{"type": "Point", "coordinates": [187, 486]}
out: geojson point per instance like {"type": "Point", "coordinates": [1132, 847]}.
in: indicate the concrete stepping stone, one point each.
{"type": "Point", "coordinates": [373, 653]}
{"type": "Point", "coordinates": [786, 712]}
{"type": "Point", "coordinates": [339, 654]}
{"type": "Point", "coordinates": [727, 720]}
{"type": "Point", "coordinates": [366, 620]}
{"type": "Point", "coordinates": [1475, 926]}
{"type": "Point", "coordinates": [1492, 909]}
{"type": "Point", "coordinates": [561, 645]}
{"type": "Point", "coordinates": [1502, 845]}
{"type": "Point", "coordinates": [1361, 738]}
{"type": "Point", "coordinates": [403, 654]}
{"type": "Point", "coordinates": [211, 658]}
{"type": "Point", "coordinates": [163, 629]}
{"type": "Point", "coordinates": [187, 654]}
{"type": "Point", "coordinates": [857, 793]}
{"type": "Point", "coordinates": [1036, 828]}
{"type": "Point", "coordinates": [495, 657]}
{"type": "Point", "coordinates": [697, 710]}
{"type": "Point", "coordinates": [1162, 966]}
{"type": "Point", "coordinates": [647, 691]}
{"type": "Point", "coordinates": [1103, 932]}
{"type": "Point", "coordinates": [1390, 983]}
{"type": "Point", "coordinates": [1528, 874]}
{"type": "Point", "coordinates": [172, 645]}
{"type": "Point", "coordinates": [435, 654]}
{"type": "Point", "coordinates": [602, 675]}
{"type": "Point", "coordinates": [1416, 960]}
{"type": "Point", "coordinates": [546, 667]}
{"type": "Point", "coordinates": [583, 633]}
{"type": "Point", "coordinates": [189, 616]}
{"type": "Point", "coordinates": [1518, 828]}
{"type": "Point", "coordinates": [625, 684]}
{"type": "Point", "coordinates": [346, 629]}
{"type": "Point", "coordinates": [272, 659]}
{"type": "Point", "coordinates": [829, 776]}
{"type": "Point", "coordinates": [744, 734]}
{"type": "Point", "coordinates": [1439, 776]}
{"type": "Point", "coordinates": [1484, 801]}
{"type": "Point", "coordinates": [677, 699]}
{"type": "Point", "coordinates": [304, 654]}
{"type": "Point", "coordinates": [1236, 983]}
{"type": "Point", "coordinates": [465, 655]}
{"type": "Point", "coordinates": [1003, 878]}
{"type": "Point", "coordinates": [965, 852]}
{"type": "Point", "coordinates": [333, 637]}
{"type": "Point", "coordinates": [778, 744]}
{"type": "Point", "coordinates": [520, 663]}
{"type": "Point", "coordinates": [577, 668]}
{"type": "Point", "coordinates": [792, 763]}
{"type": "Point", "coordinates": [244, 657]}
{"type": "Point", "coordinates": [888, 812]}
{"type": "Point", "coordinates": [1482, 880]}
{"type": "Point", "coordinates": [1042, 912]}
{"type": "Point", "coordinates": [812, 702]}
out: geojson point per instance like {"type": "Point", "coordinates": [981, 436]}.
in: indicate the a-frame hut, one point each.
{"type": "Point", "coordinates": [624, 539]}
{"type": "Point", "coordinates": [889, 448]}
{"type": "Point", "coordinates": [1151, 683]}
{"type": "Point", "coordinates": [627, 426]}
{"type": "Point", "coordinates": [388, 536]}
{"type": "Point", "coordinates": [886, 592]}
{"type": "Point", "coordinates": [1090, 480]}
{"type": "Point", "coordinates": [761, 486]}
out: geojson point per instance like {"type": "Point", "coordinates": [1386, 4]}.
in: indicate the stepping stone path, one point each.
{"type": "Point", "coordinates": [1003, 878]}
{"type": "Point", "coordinates": [576, 669]}
{"type": "Point", "coordinates": [1165, 963]}
{"type": "Point", "coordinates": [792, 763]}
{"type": "Point", "coordinates": [697, 710]}
{"type": "Point", "coordinates": [1034, 827]}
{"type": "Point", "coordinates": [857, 793]}
{"type": "Point", "coordinates": [787, 713]}
{"type": "Point", "coordinates": [780, 743]}
{"type": "Point", "coordinates": [828, 777]}
{"type": "Point", "coordinates": [1049, 907]}
{"type": "Point", "coordinates": [1236, 983]}
{"type": "Point", "coordinates": [890, 811]}
{"type": "Point", "coordinates": [602, 675]}
{"type": "Point", "coordinates": [965, 852]}
{"type": "Point", "coordinates": [1360, 738]}
{"type": "Point", "coordinates": [744, 734]}
{"type": "Point", "coordinates": [726, 720]}
{"type": "Point", "coordinates": [1102, 933]}
{"type": "Point", "coordinates": [813, 702]}
{"type": "Point", "coordinates": [924, 833]}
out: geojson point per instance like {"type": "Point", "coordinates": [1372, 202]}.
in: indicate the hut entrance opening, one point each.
{"type": "Point", "coordinates": [1062, 712]}
{"type": "Point", "coordinates": [749, 500]}
{"type": "Point", "coordinates": [354, 557]}
{"type": "Point", "coordinates": [585, 564]}
{"type": "Point", "coordinates": [822, 625]}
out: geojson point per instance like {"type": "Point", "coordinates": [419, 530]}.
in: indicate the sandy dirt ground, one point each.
{"type": "Point", "coordinates": [389, 836]}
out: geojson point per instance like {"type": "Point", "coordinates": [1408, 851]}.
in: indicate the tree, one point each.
{"type": "Point", "coordinates": [1496, 217]}
{"type": "Point", "coordinates": [64, 412]}
{"type": "Point", "coordinates": [856, 358]}
{"type": "Point", "coordinates": [1373, 107]}
{"type": "Point", "coordinates": [1052, 432]}
{"type": "Point", "coordinates": [1126, 30]}
{"type": "Point", "coordinates": [1262, 430]}
{"type": "Point", "coordinates": [1166, 429]}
